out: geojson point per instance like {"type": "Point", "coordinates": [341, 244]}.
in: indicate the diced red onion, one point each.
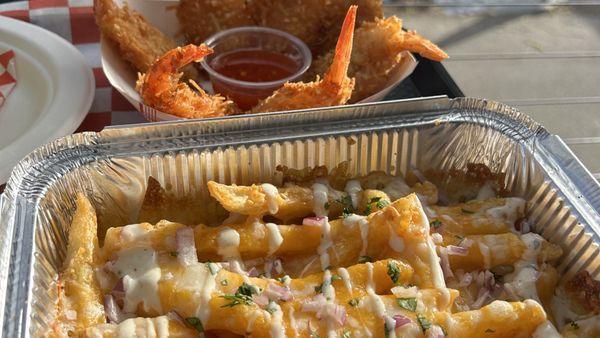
{"type": "Point", "coordinates": [445, 262]}
{"type": "Point", "coordinates": [175, 316]}
{"type": "Point", "coordinates": [277, 292]}
{"type": "Point", "coordinates": [401, 320]}
{"type": "Point", "coordinates": [488, 280]}
{"type": "Point", "coordinates": [313, 221]}
{"type": "Point", "coordinates": [481, 298]}
{"type": "Point", "coordinates": [112, 310]}
{"type": "Point", "coordinates": [315, 304]}
{"type": "Point", "coordinates": [338, 313]}
{"type": "Point", "coordinates": [253, 272]}
{"type": "Point", "coordinates": [465, 280]}
{"type": "Point", "coordinates": [186, 247]}
{"type": "Point", "coordinates": [466, 243]}
{"type": "Point", "coordinates": [118, 291]}
{"type": "Point", "coordinates": [456, 250]}
{"type": "Point", "coordinates": [261, 300]}
{"type": "Point", "coordinates": [435, 332]}
{"type": "Point", "coordinates": [278, 267]}
{"type": "Point", "coordinates": [254, 262]}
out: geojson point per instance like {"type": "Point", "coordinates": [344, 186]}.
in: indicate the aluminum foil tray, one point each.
{"type": "Point", "coordinates": [112, 168]}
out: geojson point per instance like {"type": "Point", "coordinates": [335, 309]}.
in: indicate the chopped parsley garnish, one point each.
{"type": "Point", "coordinates": [444, 331]}
{"type": "Point", "coordinates": [354, 302]}
{"type": "Point", "coordinates": [393, 271]}
{"type": "Point", "coordinates": [335, 277]}
{"type": "Point", "coordinates": [346, 334]}
{"type": "Point", "coordinates": [436, 223]}
{"type": "Point", "coordinates": [224, 282]}
{"type": "Point", "coordinates": [460, 239]}
{"type": "Point", "coordinates": [173, 253]}
{"type": "Point", "coordinates": [313, 334]}
{"type": "Point", "coordinates": [466, 211]}
{"type": "Point", "coordinates": [490, 330]}
{"type": "Point", "coordinates": [282, 279]}
{"type": "Point", "coordinates": [423, 322]}
{"type": "Point", "coordinates": [380, 203]}
{"type": "Point", "coordinates": [409, 304]}
{"type": "Point", "coordinates": [364, 259]}
{"type": "Point", "coordinates": [574, 325]}
{"type": "Point", "coordinates": [386, 330]}
{"type": "Point", "coordinates": [243, 295]}
{"type": "Point", "coordinates": [195, 323]}
{"type": "Point", "coordinates": [326, 205]}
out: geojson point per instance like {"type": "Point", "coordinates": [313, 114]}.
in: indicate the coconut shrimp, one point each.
{"type": "Point", "coordinates": [334, 89]}
{"type": "Point", "coordinates": [376, 52]}
{"type": "Point", "coordinates": [137, 40]}
{"type": "Point", "coordinates": [160, 87]}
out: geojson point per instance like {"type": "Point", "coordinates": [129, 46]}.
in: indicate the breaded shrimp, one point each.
{"type": "Point", "coordinates": [137, 40]}
{"type": "Point", "coordinates": [160, 87]}
{"type": "Point", "coordinates": [334, 89]}
{"type": "Point", "coordinates": [200, 19]}
{"type": "Point", "coordinates": [376, 52]}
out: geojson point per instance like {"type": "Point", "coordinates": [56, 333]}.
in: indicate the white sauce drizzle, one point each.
{"type": "Point", "coordinates": [140, 274]}
{"type": "Point", "coordinates": [199, 279]}
{"type": "Point", "coordinates": [271, 194]}
{"type": "Point", "coordinates": [132, 232]}
{"type": "Point", "coordinates": [325, 244]}
{"type": "Point", "coordinates": [346, 279]}
{"type": "Point", "coordinates": [228, 241]}
{"type": "Point", "coordinates": [329, 293]}
{"type": "Point", "coordinates": [523, 280]}
{"type": "Point", "coordinates": [293, 324]}
{"type": "Point", "coordinates": [320, 197]}
{"type": "Point", "coordinates": [277, 328]}
{"type": "Point", "coordinates": [275, 238]}
{"type": "Point", "coordinates": [353, 220]}
{"type": "Point", "coordinates": [352, 189]}
{"type": "Point", "coordinates": [396, 242]}
{"type": "Point", "coordinates": [511, 210]}
{"type": "Point", "coordinates": [377, 304]}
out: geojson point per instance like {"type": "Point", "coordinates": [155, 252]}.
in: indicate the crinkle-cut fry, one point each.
{"type": "Point", "coordinates": [161, 89]}
{"type": "Point", "coordinates": [142, 327]}
{"type": "Point", "coordinates": [138, 41]}
{"type": "Point", "coordinates": [334, 89]}
{"type": "Point", "coordinates": [82, 293]}
{"type": "Point", "coordinates": [491, 216]}
{"type": "Point", "coordinates": [498, 319]}
{"type": "Point", "coordinates": [486, 251]}
{"type": "Point", "coordinates": [292, 202]}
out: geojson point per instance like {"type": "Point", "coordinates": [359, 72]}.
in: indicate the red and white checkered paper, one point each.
{"type": "Point", "coordinates": [74, 21]}
{"type": "Point", "coordinates": [8, 75]}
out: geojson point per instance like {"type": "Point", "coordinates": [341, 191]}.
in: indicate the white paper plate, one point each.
{"type": "Point", "coordinates": [54, 91]}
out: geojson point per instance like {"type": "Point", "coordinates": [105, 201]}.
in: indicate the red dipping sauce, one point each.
{"type": "Point", "coordinates": [249, 63]}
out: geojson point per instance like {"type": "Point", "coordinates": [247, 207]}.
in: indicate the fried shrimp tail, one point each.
{"type": "Point", "coordinates": [416, 43]}
{"type": "Point", "coordinates": [334, 89]}
{"type": "Point", "coordinates": [160, 87]}
{"type": "Point", "coordinates": [138, 42]}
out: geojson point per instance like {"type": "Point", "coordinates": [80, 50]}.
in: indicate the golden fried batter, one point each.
{"type": "Point", "coordinates": [376, 52]}
{"type": "Point", "coordinates": [137, 40]}
{"type": "Point", "coordinates": [160, 87]}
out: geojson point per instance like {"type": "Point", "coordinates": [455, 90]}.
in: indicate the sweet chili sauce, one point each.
{"type": "Point", "coordinates": [251, 65]}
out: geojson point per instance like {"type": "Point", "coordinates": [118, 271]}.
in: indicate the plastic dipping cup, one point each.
{"type": "Point", "coordinates": [249, 63]}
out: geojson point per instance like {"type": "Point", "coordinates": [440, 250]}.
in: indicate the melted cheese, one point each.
{"type": "Point", "coordinates": [523, 279]}
{"type": "Point", "coordinates": [361, 221]}
{"type": "Point", "coordinates": [320, 198]}
{"type": "Point", "coordinates": [486, 192]}
{"type": "Point", "coordinates": [228, 241]}
{"type": "Point", "coordinates": [277, 328]}
{"type": "Point", "coordinates": [352, 189]}
{"type": "Point", "coordinates": [275, 238]}
{"type": "Point", "coordinates": [325, 244]}
{"type": "Point", "coordinates": [271, 194]}
{"type": "Point", "coordinates": [140, 274]}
